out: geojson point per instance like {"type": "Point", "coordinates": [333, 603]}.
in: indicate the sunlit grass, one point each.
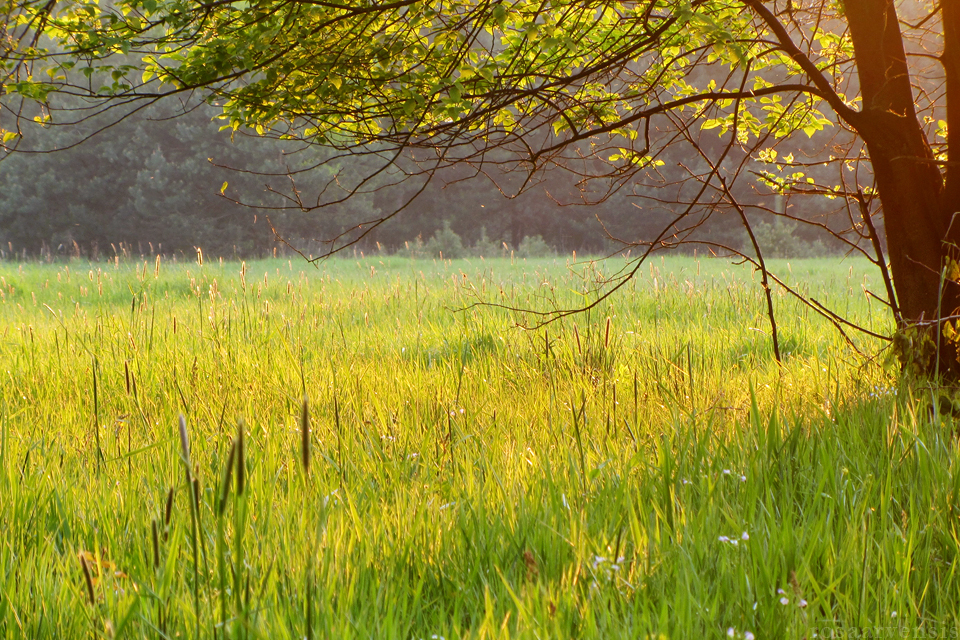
{"type": "Point", "coordinates": [643, 469]}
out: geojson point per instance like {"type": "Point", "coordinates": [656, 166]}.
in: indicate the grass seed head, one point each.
{"type": "Point", "coordinates": [156, 543]}
{"type": "Point", "coordinates": [196, 492]}
{"type": "Point", "coordinates": [225, 488]}
{"type": "Point", "coordinates": [87, 579]}
{"type": "Point", "coordinates": [169, 510]}
{"type": "Point", "coordinates": [533, 572]}
{"type": "Point", "coordinates": [184, 442]}
{"type": "Point", "coordinates": [305, 436]}
{"type": "Point", "coordinates": [240, 459]}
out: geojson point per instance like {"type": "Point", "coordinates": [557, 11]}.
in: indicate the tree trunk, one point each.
{"type": "Point", "coordinates": [918, 210]}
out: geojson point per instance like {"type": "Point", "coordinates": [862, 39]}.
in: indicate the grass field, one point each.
{"type": "Point", "coordinates": [646, 470]}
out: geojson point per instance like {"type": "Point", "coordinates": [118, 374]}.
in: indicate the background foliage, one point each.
{"type": "Point", "coordinates": [154, 182]}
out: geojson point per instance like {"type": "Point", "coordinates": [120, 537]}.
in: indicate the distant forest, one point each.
{"type": "Point", "coordinates": [153, 182]}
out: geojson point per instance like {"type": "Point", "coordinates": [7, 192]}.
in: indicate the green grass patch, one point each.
{"type": "Point", "coordinates": [643, 470]}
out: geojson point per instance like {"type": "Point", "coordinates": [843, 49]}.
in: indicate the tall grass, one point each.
{"type": "Point", "coordinates": [642, 470]}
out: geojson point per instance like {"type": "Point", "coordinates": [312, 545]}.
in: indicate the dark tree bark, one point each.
{"type": "Point", "coordinates": [919, 200]}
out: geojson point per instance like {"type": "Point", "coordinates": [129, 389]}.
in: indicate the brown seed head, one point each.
{"type": "Point", "coordinates": [305, 436]}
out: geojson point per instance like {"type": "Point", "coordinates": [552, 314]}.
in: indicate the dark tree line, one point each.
{"type": "Point", "coordinates": [153, 183]}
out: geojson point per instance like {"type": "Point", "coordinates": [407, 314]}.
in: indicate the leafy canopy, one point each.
{"type": "Point", "coordinates": [460, 76]}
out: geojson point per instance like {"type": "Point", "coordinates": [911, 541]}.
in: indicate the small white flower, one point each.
{"type": "Point", "coordinates": [745, 536]}
{"type": "Point", "coordinates": [724, 539]}
{"type": "Point", "coordinates": [802, 604]}
{"type": "Point", "coordinates": [743, 478]}
{"type": "Point", "coordinates": [748, 636]}
{"type": "Point", "coordinates": [330, 498]}
{"type": "Point", "coordinates": [726, 472]}
{"type": "Point", "coordinates": [784, 601]}
{"type": "Point", "coordinates": [730, 632]}
{"type": "Point", "coordinates": [780, 592]}
{"type": "Point", "coordinates": [893, 614]}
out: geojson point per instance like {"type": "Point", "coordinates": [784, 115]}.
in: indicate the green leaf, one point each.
{"type": "Point", "coordinates": [499, 14]}
{"type": "Point", "coordinates": [953, 271]}
{"type": "Point", "coordinates": [949, 332]}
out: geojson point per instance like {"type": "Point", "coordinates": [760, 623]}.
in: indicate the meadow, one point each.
{"type": "Point", "coordinates": [364, 454]}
